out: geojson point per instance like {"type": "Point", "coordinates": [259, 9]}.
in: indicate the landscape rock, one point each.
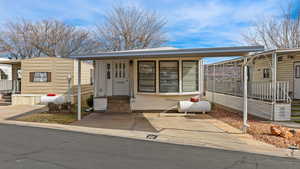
{"type": "Point", "coordinates": [275, 130]}
{"type": "Point", "coordinates": [281, 131]}
{"type": "Point", "coordinates": [285, 133]}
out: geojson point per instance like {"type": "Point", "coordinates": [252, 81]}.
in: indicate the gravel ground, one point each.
{"type": "Point", "coordinates": [259, 128]}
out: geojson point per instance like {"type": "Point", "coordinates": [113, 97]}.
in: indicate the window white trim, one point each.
{"type": "Point", "coordinates": [180, 77]}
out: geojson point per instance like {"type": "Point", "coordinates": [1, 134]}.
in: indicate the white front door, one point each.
{"type": "Point", "coordinates": [297, 80]}
{"type": "Point", "coordinates": [120, 78]}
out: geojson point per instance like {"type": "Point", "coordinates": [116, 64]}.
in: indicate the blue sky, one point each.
{"type": "Point", "coordinates": [191, 23]}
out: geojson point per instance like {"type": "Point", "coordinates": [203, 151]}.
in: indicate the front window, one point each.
{"type": "Point", "coordinates": [146, 76]}
{"type": "Point", "coordinates": [40, 76]}
{"type": "Point", "coordinates": [174, 76]}
{"type": "Point", "coordinates": [189, 76]}
{"type": "Point", "coordinates": [168, 76]}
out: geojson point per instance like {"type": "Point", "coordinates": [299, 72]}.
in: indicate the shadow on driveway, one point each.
{"type": "Point", "coordinates": [121, 121]}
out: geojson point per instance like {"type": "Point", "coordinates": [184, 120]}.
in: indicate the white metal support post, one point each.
{"type": "Point", "coordinates": [274, 80]}
{"type": "Point", "coordinates": [245, 112]}
{"type": "Point", "coordinates": [79, 92]}
{"type": "Point", "coordinates": [201, 77]}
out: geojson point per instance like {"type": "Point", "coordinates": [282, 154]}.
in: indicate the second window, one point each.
{"type": "Point", "coordinates": [168, 76]}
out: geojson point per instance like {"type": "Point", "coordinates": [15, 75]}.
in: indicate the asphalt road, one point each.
{"type": "Point", "coordinates": [36, 148]}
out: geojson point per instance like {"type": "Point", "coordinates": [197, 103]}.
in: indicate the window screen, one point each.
{"type": "Point", "coordinates": [40, 76]}
{"type": "Point", "coordinates": [189, 76]}
{"type": "Point", "coordinates": [168, 76]}
{"type": "Point", "coordinates": [146, 76]}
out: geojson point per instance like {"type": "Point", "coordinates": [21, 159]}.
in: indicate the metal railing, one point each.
{"type": "Point", "coordinates": [258, 90]}
{"type": "Point", "coordinates": [267, 91]}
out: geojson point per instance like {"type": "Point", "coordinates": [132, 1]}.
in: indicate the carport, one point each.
{"type": "Point", "coordinates": [242, 51]}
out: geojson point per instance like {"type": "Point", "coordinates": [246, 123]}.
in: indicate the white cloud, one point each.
{"type": "Point", "coordinates": [225, 20]}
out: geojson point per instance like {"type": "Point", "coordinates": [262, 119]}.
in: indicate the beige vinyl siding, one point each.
{"type": "Point", "coordinates": [59, 68]}
{"type": "Point", "coordinates": [257, 69]}
{"type": "Point", "coordinates": [285, 69]}
{"type": "Point", "coordinates": [86, 67]}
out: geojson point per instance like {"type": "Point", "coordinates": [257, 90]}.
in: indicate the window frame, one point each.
{"type": "Point", "coordinates": [197, 63]}
{"type": "Point", "coordinates": [32, 74]}
{"type": "Point", "coordinates": [178, 72]}
{"type": "Point", "coordinates": [138, 76]}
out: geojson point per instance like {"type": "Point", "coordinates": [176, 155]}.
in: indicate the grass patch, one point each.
{"type": "Point", "coordinates": [59, 118]}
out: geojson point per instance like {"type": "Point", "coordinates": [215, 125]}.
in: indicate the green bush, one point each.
{"type": "Point", "coordinates": [90, 101]}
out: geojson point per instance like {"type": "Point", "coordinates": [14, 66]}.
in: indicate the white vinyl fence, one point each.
{"type": "Point", "coordinates": [267, 91]}
{"type": "Point", "coordinates": [258, 90]}
{"type": "Point", "coordinates": [13, 86]}
{"type": "Point", "coordinates": [6, 85]}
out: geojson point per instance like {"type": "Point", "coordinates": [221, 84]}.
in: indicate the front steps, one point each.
{"type": "Point", "coordinates": [5, 99]}
{"type": "Point", "coordinates": [295, 110]}
{"type": "Point", "coordinates": [118, 104]}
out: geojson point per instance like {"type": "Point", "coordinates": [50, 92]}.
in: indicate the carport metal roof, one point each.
{"type": "Point", "coordinates": [172, 52]}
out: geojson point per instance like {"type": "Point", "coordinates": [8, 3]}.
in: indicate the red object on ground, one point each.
{"type": "Point", "coordinates": [51, 94]}
{"type": "Point", "coordinates": [194, 99]}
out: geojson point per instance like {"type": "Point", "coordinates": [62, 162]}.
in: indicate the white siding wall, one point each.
{"type": "Point", "coordinates": [282, 112]}
{"type": "Point", "coordinates": [160, 101]}
{"type": "Point", "coordinates": [156, 102]}
{"type": "Point", "coordinates": [255, 107]}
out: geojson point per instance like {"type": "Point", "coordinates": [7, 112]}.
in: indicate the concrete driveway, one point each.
{"type": "Point", "coordinates": [201, 130]}
{"type": "Point", "coordinates": [122, 121]}
{"type": "Point", "coordinates": [10, 111]}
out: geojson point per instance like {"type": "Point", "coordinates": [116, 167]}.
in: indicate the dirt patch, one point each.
{"type": "Point", "coordinates": [259, 128]}
{"type": "Point", "coordinates": [46, 117]}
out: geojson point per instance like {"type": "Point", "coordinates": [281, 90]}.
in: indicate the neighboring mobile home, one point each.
{"type": "Point", "coordinates": [38, 76]}
{"type": "Point", "coordinates": [273, 83]}
{"type": "Point", "coordinates": [152, 79]}
{"type": "Point", "coordinates": [5, 70]}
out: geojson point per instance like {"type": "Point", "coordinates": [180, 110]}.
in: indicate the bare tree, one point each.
{"type": "Point", "coordinates": [26, 39]}
{"type": "Point", "coordinates": [277, 32]}
{"type": "Point", "coordinates": [128, 28]}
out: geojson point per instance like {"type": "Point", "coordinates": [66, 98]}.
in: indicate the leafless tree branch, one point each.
{"type": "Point", "coordinates": [25, 39]}
{"type": "Point", "coordinates": [128, 28]}
{"type": "Point", "coordinates": [282, 32]}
